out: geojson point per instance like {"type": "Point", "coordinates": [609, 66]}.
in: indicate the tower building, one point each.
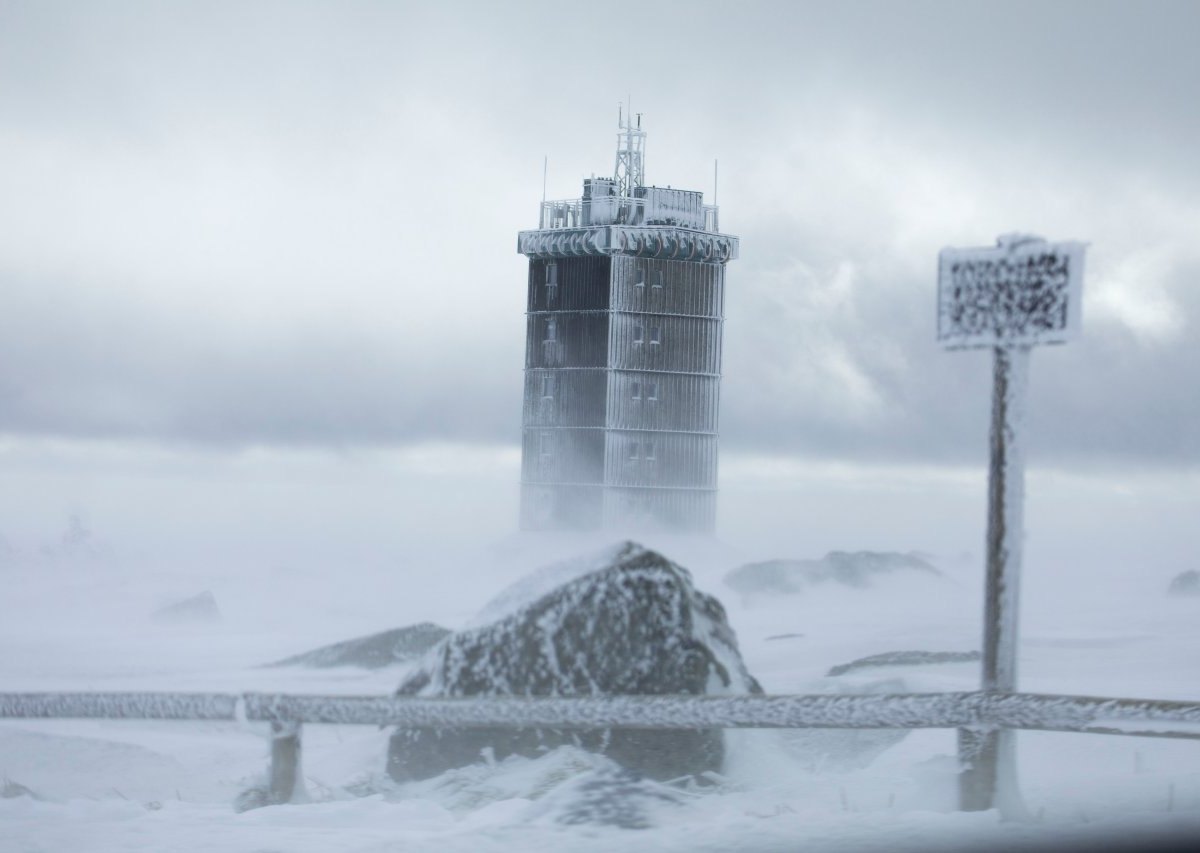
{"type": "Point", "coordinates": [623, 353]}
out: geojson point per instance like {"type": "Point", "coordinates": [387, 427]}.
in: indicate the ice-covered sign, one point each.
{"type": "Point", "coordinates": [1023, 291]}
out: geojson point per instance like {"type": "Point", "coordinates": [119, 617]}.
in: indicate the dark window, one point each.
{"type": "Point", "coordinates": [547, 385]}
{"type": "Point", "coordinates": [656, 334]}
{"type": "Point", "coordinates": [551, 330]}
{"type": "Point", "coordinates": [640, 278]}
{"type": "Point", "coordinates": [651, 390]}
{"type": "Point", "coordinates": [658, 279]}
{"type": "Point", "coordinates": [642, 450]}
{"type": "Point", "coordinates": [639, 333]}
{"type": "Point", "coordinates": [551, 282]}
{"type": "Point", "coordinates": [637, 390]}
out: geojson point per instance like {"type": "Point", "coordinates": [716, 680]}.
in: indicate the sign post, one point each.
{"type": "Point", "coordinates": [1023, 292]}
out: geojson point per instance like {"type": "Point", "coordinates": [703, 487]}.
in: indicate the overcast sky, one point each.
{"type": "Point", "coordinates": [293, 225]}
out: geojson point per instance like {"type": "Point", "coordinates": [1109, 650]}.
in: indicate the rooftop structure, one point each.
{"type": "Point", "coordinates": [623, 354]}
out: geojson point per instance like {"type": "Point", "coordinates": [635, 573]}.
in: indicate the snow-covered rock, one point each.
{"type": "Point", "coordinates": [854, 569]}
{"type": "Point", "coordinates": [634, 624]}
{"type": "Point", "coordinates": [1185, 583]}
{"type": "Point", "coordinates": [374, 651]}
{"type": "Point", "coordinates": [905, 658]}
{"type": "Point", "coordinates": [198, 608]}
{"type": "Point", "coordinates": [10, 790]}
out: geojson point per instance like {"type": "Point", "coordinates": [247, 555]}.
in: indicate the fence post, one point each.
{"type": "Point", "coordinates": [977, 748]}
{"type": "Point", "coordinates": [284, 779]}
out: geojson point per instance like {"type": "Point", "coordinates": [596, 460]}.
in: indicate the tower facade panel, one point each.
{"type": "Point", "coordinates": [660, 460]}
{"type": "Point", "coordinates": [567, 339]}
{"type": "Point", "coordinates": [665, 342]}
{"type": "Point", "coordinates": [654, 400]}
{"type": "Point", "coordinates": [558, 456]}
{"type": "Point", "coordinates": [566, 398]}
{"type": "Point", "coordinates": [675, 509]}
{"type": "Point", "coordinates": [569, 284]}
{"type": "Point", "coordinates": [686, 288]}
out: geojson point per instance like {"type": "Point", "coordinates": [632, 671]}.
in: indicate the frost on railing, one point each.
{"type": "Point", "coordinates": [140, 706]}
{"type": "Point", "coordinates": [712, 221]}
{"type": "Point", "coordinates": [567, 213]}
{"type": "Point", "coordinates": [1151, 718]}
{"type": "Point", "coordinates": [620, 210]}
{"type": "Point", "coordinates": [972, 713]}
{"type": "Point", "coordinates": [940, 710]}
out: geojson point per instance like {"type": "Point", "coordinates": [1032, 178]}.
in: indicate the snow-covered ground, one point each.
{"type": "Point", "coordinates": [128, 785]}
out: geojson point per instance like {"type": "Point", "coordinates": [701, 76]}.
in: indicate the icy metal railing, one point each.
{"type": "Point", "coordinates": [1097, 715]}
{"type": "Point", "coordinates": [567, 213]}
{"type": "Point", "coordinates": [607, 210]}
{"type": "Point", "coordinates": [971, 713]}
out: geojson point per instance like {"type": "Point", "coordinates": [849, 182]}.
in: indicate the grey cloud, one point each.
{"type": "Point", "coordinates": [1108, 396]}
{"type": "Point", "coordinates": [295, 222]}
{"type": "Point", "coordinates": [103, 368]}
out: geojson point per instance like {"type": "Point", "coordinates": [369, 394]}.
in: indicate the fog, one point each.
{"type": "Point", "coordinates": [258, 256]}
{"type": "Point", "coordinates": [262, 316]}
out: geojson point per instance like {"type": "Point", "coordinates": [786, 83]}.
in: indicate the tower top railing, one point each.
{"type": "Point", "coordinates": [623, 210]}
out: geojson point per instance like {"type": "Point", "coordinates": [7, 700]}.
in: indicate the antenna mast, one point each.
{"type": "Point", "coordinates": [631, 153]}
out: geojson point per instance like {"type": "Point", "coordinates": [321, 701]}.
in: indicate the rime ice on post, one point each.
{"type": "Point", "coordinates": [1024, 291]}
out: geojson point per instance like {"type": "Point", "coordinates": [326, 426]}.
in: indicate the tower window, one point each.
{"type": "Point", "coordinates": [545, 444]}
{"type": "Point", "coordinates": [637, 390]}
{"type": "Point", "coordinates": [658, 279]}
{"type": "Point", "coordinates": [640, 278]}
{"type": "Point", "coordinates": [656, 334]}
{"type": "Point", "coordinates": [651, 390]}
{"type": "Point", "coordinates": [641, 450]}
{"type": "Point", "coordinates": [547, 386]}
{"type": "Point", "coordinates": [639, 333]}
{"type": "Point", "coordinates": [551, 282]}
{"type": "Point", "coordinates": [551, 331]}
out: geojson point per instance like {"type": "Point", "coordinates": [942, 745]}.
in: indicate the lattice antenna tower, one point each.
{"type": "Point", "coordinates": [631, 153]}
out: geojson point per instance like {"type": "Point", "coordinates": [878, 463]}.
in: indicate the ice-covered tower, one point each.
{"type": "Point", "coordinates": [623, 354]}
